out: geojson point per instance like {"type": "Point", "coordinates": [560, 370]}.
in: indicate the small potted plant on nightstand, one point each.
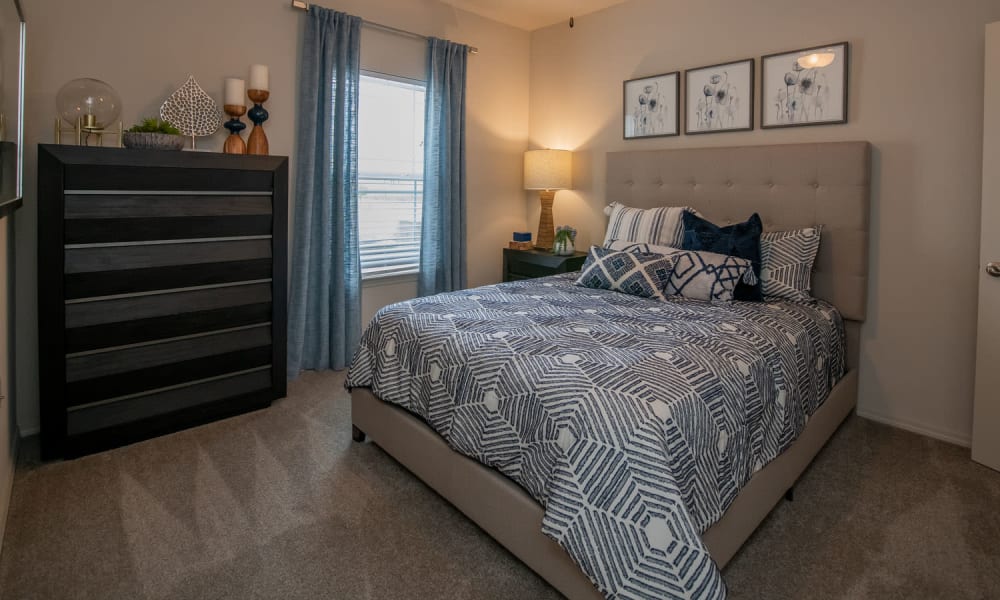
{"type": "Point", "coordinates": [563, 243]}
{"type": "Point", "coordinates": [153, 134]}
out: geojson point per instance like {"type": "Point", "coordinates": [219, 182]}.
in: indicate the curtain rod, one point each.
{"type": "Point", "coordinates": [302, 5]}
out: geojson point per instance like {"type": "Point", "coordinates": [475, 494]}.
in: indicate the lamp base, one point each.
{"type": "Point", "coordinates": [546, 225]}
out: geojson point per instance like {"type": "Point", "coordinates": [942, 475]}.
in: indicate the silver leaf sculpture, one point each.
{"type": "Point", "coordinates": [191, 110]}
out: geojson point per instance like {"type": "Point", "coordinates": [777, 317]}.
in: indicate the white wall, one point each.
{"type": "Point", "coordinates": [916, 93]}
{"type": "Point", "coordinates": [145, 50]}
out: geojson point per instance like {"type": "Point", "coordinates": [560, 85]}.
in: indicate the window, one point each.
{"type": "Point", "coordinates": [390, 175]}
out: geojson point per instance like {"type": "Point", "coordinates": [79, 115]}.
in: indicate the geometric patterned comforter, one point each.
{"type": "Point", "coordinates": [633, 422]}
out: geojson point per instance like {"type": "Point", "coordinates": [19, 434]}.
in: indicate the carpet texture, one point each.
{"type": "Point", "coordinates": [282, 504]}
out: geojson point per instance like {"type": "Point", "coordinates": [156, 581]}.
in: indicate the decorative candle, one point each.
{"type": "Point", "coordinates": [235, 90]}
{"type": "Point", "coordinates": [258, 77]}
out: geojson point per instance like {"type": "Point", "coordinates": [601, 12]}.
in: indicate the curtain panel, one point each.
{"type": "Point", "coordinates": [443, 236]}
{"type": "Point", "coordinates": [324, 324]}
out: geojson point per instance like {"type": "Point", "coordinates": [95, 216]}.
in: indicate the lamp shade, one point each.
{"type": "Point", "coordinates": [95, 103]}
{"type": "Point", "coordinates": [548, 170]}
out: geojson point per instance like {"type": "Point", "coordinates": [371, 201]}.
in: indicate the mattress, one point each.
{"type": "Point", "coordinates": [634, 423]}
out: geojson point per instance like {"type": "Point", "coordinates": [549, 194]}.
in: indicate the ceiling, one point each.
{"type": "Point", "coordinates": [532, 14]}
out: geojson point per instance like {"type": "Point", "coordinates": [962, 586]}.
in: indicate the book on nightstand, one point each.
{"type": "Point", "coordinates": [521, 241]}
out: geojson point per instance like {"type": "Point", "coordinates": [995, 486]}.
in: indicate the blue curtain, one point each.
{"type": "Point", "coordinates": [442, 239]}
{"type": "Point", "coordinates": [324, 320]}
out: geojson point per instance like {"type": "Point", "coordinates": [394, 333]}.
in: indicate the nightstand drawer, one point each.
{"type": "Point", "coordinates": [528, 264]}
{"type": "Point", "coordinates": [518, 267]}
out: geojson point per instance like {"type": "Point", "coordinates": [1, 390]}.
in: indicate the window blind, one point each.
{"type": "Point", "coordinates": [390, 225]}
{"type": "Point", "coordinates": [390, 175]}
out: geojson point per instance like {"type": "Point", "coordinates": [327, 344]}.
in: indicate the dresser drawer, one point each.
{"type": "Point", "coordinates": [124, 410]}
{"type": "Point", "coordinates": [125, 359]}
{"type": "Point", "coordinates": [111, 257]}
{"type": "Point", "coordinates": [103, 216]}
{"type": "Point", "coordinates": [87, 313]}
{"type": "Point", "coordinates": [123, 333]}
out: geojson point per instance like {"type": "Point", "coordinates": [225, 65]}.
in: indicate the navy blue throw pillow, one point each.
{"type": "Point", "coordinates": [741, 240]}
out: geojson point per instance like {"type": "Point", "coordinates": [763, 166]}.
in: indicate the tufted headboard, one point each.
{"type": "Point", "coordinates": [791, 186]}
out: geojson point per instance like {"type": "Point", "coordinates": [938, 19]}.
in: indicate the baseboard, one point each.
{"type": "Point", "coordinates": [951, 437]}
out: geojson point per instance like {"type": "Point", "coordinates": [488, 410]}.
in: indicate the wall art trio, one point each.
{"type": "Point", "coordinates": [800, 87]}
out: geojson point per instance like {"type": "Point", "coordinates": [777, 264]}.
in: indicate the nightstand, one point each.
{"type": "Point", "coordinates": [526, 264]}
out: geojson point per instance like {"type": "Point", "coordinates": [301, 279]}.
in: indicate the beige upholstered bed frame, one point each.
{"type": "Point", "coordinates": [791, 186]}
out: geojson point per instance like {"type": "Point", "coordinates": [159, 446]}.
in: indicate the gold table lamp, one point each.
{"type": "Point", "coordinates": [548, 171]}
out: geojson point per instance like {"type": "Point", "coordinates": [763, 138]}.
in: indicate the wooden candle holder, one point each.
{"type": "Point", "coordinates": [234, 143]}
{"type": "Point", "coordinates": [257, 141]}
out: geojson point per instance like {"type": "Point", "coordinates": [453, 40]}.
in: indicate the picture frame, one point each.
{"type": "Point", "coordinates": [719, 98]}
{"type": "Point", "coordinates": [651, 106]}
{"type": "Point", "coordinates": [795, 94]}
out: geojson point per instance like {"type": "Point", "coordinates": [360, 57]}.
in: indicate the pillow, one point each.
{"type": "Point", "coordinates": [697, 275]}
{"type": "Point", "coordinates": [787, 259]}
{"type": "Point", "coordinates": [634, 273]}
{"type": "Point", "coordinates": [662, 226]}
{"type": "Point", "coordinates": [741, 240]}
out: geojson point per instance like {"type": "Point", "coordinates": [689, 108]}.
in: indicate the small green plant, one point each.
{"type": "Point", "coordinates": [154, 125]}
{"type": "Point", "coordinates": [564, 239]}
{"type": "Point", "coordinates": [565, 233]}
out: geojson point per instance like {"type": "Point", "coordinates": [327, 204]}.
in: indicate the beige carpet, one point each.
{"type": "Point", "coordinates": [281, 504]}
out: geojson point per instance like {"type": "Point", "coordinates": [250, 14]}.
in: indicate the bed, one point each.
{"type": "Point", "coordinates": [790, 186]}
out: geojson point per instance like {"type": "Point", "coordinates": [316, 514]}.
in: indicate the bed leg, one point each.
{"type": "Point", "coordinates": [356, 434]}
{"type": "Point", "coordinates": [790, 494]}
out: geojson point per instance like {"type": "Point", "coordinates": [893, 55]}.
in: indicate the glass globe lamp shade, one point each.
{"type": "Point", "coordinates": [95, 103]}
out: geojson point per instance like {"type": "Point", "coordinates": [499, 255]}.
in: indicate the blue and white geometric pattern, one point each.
{"type": "Point", "coordinates": [697, 275]}
{"type": "Point", "coordinates": [787, 259]}
{"type": "Point", "coordinates": [645, 275]}
{"type": "Point", "coordinates": [633, 422]}
{"type": "Point", "coordinates": [663, 226]}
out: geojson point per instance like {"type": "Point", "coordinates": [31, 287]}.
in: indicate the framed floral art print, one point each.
{"type": "Point", "coordinates": [651, 106]}
{"type": "Point", "coordinates": [719, 98]}
{"type": "Point", "coordinates": [804, 87]}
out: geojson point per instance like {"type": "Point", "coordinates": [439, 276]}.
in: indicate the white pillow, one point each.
{"type": "Point", "coordinates": [663, 226]}
{"type": "Point", "coordinates": [786, 263]}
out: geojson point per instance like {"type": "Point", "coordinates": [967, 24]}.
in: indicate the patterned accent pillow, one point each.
{"type": "Point", "coordinates": [662, 226]}
{"type": "Point", "coordinates": [697, 275]}
{"type": "Point", "coordinates": [740, 239]}
{"type": "Point", "coordinates": [787, 259]}
{"type": "Point", "coordinates": [634, 273]}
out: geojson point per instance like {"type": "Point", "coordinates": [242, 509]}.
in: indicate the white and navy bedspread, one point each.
{"type": "Point", "coordinates": [633, 422]}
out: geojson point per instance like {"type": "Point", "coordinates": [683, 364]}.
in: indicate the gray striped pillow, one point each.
{"type": "Point", "coordinates": [662, 226]}
{"type": "Point", "coordinates": [787, 259]}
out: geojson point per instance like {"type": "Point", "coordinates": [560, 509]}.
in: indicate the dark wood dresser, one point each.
{"type": "Point", "coordinates": [161, 291]}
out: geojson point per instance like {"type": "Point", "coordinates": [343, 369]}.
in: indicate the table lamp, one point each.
{"type": "Point", "coordinates": [548, 171]}
{"type": "Point", "coordinates": [90, 107]}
